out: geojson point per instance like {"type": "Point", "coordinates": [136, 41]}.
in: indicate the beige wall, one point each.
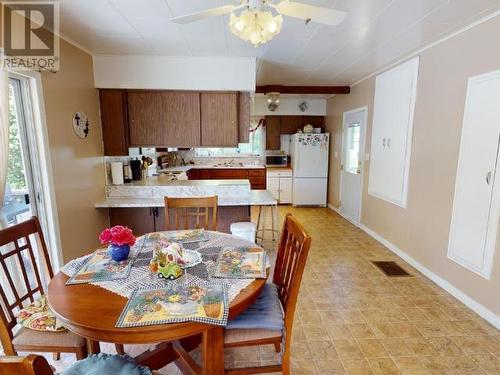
{"type": "Point", "coordinates": [77, 164]}
{"type": "Point", "coordinates": [421, 230]}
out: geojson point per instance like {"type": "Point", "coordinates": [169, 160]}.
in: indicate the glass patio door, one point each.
{"type": "Point", "coordinates": [20, 194]}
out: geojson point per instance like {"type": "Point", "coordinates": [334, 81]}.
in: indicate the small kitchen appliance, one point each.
{"type": "Point", "coordinates": [136, 166]}
{"type": "Point", "coordinates": [278, 160]}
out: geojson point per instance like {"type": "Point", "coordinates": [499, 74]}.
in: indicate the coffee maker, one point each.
{"type": "Point", "coordinates": [136, 166]}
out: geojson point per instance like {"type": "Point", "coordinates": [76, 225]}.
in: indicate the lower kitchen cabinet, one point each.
{"type": "Point", "coordinates": [140, 219]}
{"type": "Point", "coordinates": [279, 183]}
{"type": "Point", "coordinates": [285, 190]}
{"type": "Point", "coordinates": [152, 219]}
{"type": "Point", "coordinates": [257, 176]}
{"type": "Point", "coordinates": [273, 185]}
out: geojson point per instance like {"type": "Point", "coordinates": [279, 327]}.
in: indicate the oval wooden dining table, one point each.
{"type": "Point", "coordinates": [92, 312]}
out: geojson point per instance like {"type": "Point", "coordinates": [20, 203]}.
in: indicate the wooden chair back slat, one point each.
{"type": "Point", "coordinates": [29, 365]}
{"type": "Point", "coordinates": [10, 237]}
{"type": "Point", "coordinates": [290, 262]}
{"type": "Point", "coordinates": [184, 213]}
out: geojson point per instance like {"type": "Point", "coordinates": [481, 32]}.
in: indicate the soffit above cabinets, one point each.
{"type": "Point", "coordinates": [374, 34]}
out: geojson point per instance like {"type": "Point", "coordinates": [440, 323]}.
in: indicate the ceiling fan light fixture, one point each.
{"type": "Point", "coordinates": [256, 26]}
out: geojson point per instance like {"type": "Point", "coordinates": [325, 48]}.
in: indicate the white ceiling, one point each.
{"type": "Point", "coordinates": [374, 34]}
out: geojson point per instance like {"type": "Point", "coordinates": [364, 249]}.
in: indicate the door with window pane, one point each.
{"type": "Point", "coordinates": [19, 194]}
{"type": "Point", "coordinates": [352, 165]}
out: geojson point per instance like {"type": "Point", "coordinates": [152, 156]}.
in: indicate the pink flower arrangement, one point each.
{"type": "Point", "coordinates": [117, 235]}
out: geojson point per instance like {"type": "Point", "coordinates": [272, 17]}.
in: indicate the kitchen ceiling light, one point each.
{"type": "Point", "coordinates": [255, 25]}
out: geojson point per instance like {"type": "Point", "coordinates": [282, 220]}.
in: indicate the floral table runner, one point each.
{"type": "Point", "coordinates": [141, 277]}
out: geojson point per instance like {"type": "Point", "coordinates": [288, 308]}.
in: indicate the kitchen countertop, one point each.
{"type": "Point", "coordinates": [185, 168]}
{"type": "Point", "coordinates": [163, 180]}
{"type": "Point", "coordinates": [255, 198]}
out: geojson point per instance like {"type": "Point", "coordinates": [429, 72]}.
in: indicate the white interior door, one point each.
{"type": "Point", "coordinates": [353, 144]}
{"type": "Point", "coordinates": [476, 202]}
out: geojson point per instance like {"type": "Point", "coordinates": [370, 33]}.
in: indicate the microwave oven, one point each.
{"type": "Point", "coordinates": [276, 160]}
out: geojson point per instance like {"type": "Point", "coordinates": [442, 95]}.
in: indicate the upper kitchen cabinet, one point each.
{"type": "Point", "coordinates": [290, 124]}
{"type": "Point", "coordinates": [273, 128]}
{"type": "Point", "coordinates": [219, 119]}
{"type": "Point", "coordinates": [180, 114]}
{"type": "Point", "coordinates": [277, 125]}
{"type": "Point", "coordinates": [165, 118]}
{"type": "Point", "coordinates": [316, 121]}
{"type": "Point", "coordinates": [114, 122]}
{"type": "Point", "coordinates": [244, 117]}
{"type": "Point", "coordinates": [145, 118]}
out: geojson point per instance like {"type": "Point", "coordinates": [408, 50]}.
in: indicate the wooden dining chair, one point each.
{"type": "Point", "coordinates": [29, 365]}
{"type": "Point", "coordinates": [191, 213]}
{"type": "Point", "coordinates": [20, 269]}
{"type": "Point", "coordinates": [252, 327]}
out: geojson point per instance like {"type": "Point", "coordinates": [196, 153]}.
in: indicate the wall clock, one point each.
{"type": "Point", "coordinates": [81, 125]}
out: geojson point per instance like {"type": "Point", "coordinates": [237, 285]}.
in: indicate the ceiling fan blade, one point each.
{"type": "Point", "coordinates": [204, 14]}
{"type": "Point", "coordinates": [317, 14]}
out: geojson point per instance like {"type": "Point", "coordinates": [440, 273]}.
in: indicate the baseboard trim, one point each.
{"type": "Point", "coordinates": [481, 310]}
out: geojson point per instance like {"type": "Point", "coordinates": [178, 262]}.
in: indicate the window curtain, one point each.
{"type": "Point", "coordinates": [4, 138]}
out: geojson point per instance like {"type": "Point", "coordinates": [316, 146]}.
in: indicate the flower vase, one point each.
{"type": "Point", "coordinates": [118, 252]}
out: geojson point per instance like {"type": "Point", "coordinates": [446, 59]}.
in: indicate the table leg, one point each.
{"type": "Point", "coordinates": [212, 346]}
{"type": "Point", "coordinates": [155, 359]}
{"type": "Point", "coordinates": [93, 346]}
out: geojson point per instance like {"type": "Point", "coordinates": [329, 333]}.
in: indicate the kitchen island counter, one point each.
{"type": "Point", "coordinates": [140, 205]}
{"type": "Point", "coordinates": [255, 198]}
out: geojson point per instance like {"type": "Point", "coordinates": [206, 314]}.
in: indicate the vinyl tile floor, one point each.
{"type": "Point", "coordinates": [352, 319]}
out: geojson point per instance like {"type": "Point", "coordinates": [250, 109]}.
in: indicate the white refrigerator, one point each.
{"type": "Point", "coordinates": [309, 153]}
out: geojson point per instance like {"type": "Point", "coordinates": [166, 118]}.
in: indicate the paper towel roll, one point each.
{"type": "Point", "coordinates": [117, 172]}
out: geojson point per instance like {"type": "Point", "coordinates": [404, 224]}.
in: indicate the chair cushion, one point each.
{"type": "Point", "coordinates": [265, 313]}
{"type": "Point", "coordinates": [39, 317]}
{"type": "Point", "coordinates": [234, 336]}
{"type": "Point", "coordinates": [107, 364]}
{"type": "Point", "coordinates": [30, 337]}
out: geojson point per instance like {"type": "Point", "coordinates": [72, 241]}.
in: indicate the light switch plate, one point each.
{"type": "Point", "coordinates": [367, 157]}
{"type": "Point", "coordinates": [335, 154]}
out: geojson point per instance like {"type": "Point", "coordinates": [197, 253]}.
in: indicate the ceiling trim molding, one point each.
{"type": "Point", "coordinates": [75, 44]}
{"type": "Point", "coordinates": [429, 46]}
{"type": "Point", "coordinates": [302, 89]}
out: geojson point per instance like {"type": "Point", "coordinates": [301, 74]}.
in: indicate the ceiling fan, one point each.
{"type": "Point", "coordinates": [260, 20]}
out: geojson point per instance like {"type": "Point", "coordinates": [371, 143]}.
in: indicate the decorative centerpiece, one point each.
{"type": "Point", "coordinates": [119, 239]}
{"type": "Point", "coordinates": [167, 260]}
{"type": "Point", "coordinates": [170, 258]}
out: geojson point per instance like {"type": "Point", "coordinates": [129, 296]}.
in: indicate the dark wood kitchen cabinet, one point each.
{"type": "Point", "coordinates": [144, 220]}
{"type": "Point", "coordinates": [219, 119]}
{"type": "Point", "coordinates": [257, 176]}
{"type": "Point", "coordinates": [144, 114]}
{"type": "Point", "coordinates": [290, 124]}
{"type": "Point", "coordinates": [140, 219]}
{"type": "Point", "coordinates": [228, 174]}
{"type": "Point", "coordinates": [273, 128]}
{"type": "Point", "coordinates": [180, 119]}
{"type": "Point", "coordinates": [166, 118]}
{"type": "Point", "coordinates": [114, 122]}
{"type": "Point", "coordinates": [316, 121]}
{"type": "Point", "coordinates": [277, 125]}
{"type": "Point", "coordinates": [244, 112]}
